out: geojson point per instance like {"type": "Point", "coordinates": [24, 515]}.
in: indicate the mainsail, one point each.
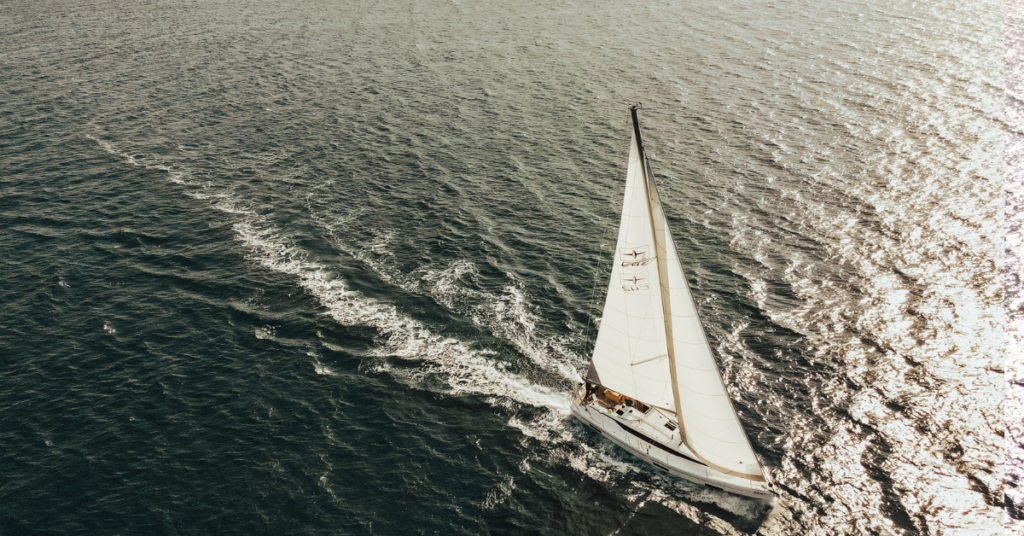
{"type": "Point", "coordinates": [651, 345]}
{"type": "Point", "coordinates": [631, 355]}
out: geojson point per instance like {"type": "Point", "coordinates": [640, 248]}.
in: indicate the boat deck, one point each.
{"type": "Point", "coordinates": [653, 436]}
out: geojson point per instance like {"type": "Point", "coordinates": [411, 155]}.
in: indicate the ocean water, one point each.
{"type": "Point", "coordinates": [320, 267]}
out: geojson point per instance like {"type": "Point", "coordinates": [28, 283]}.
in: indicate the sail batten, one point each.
{"type": "Point", "coordinates": [651, 345]}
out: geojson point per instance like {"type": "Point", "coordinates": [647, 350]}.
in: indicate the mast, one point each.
{"type": "Point", "coordinates": [666, 303]}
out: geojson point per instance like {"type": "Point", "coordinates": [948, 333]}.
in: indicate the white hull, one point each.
{"type": "Point", "coordinates": [659, 446]}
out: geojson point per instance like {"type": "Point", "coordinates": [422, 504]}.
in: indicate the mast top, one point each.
{"type": "Point", "coordinates": [639, 140]}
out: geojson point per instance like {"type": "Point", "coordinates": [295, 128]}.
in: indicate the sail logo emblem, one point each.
{"type": "Point", "coordinates": [634, 256]}
{"type": "Point", "coordinates": [633, 281]}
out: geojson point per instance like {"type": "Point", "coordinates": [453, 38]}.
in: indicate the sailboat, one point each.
{"type": "Point", "coordinates": [653, 387]}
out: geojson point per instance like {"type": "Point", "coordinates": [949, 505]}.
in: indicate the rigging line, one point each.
{"type": "Point", "coordinates": [597, 274]}
{"type": "Point", "coordinates": [610, 237]}
{"type": "Point", "coordinates": [593, 291]}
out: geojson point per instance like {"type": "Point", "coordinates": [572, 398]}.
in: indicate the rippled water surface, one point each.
{"type": "Point", "coordinates": [323, 267]}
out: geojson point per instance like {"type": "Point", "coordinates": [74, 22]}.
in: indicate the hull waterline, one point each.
{"type": "Point", "coordinates": [639, 435]}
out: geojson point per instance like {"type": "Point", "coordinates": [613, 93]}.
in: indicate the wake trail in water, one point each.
{"type": "Point", "coordinates": [506, 316]}
{"type": "Point", "coordinates": [465, 370]}
{"type": "Point", "coordinates": [176, 177]}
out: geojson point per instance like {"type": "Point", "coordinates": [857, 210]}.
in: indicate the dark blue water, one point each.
{"type": "Point", "coordinates": [297, 268]}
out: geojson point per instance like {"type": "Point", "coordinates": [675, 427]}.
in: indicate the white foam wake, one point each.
{"type": "Point", "coordinates": [507, 316]}
{"type": "Point", "coordinates": [465, 370]}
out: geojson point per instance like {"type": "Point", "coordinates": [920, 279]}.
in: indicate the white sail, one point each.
{"type": "Point", "coordinates": [650, 333]}
{"type": "Point", "coordinates": [711, 428]}
{"type": "Point", "coordinates": [631, 353]}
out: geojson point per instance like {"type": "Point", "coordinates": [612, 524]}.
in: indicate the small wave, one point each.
{"type": "Point", "coordinates": [266, 332]}
{"type": "Point", "coordinates": [319, 367]}
{"type": "Point", "coordinates": [177, 177]}
{"type": "Point", "coordinates": [500, 494]}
